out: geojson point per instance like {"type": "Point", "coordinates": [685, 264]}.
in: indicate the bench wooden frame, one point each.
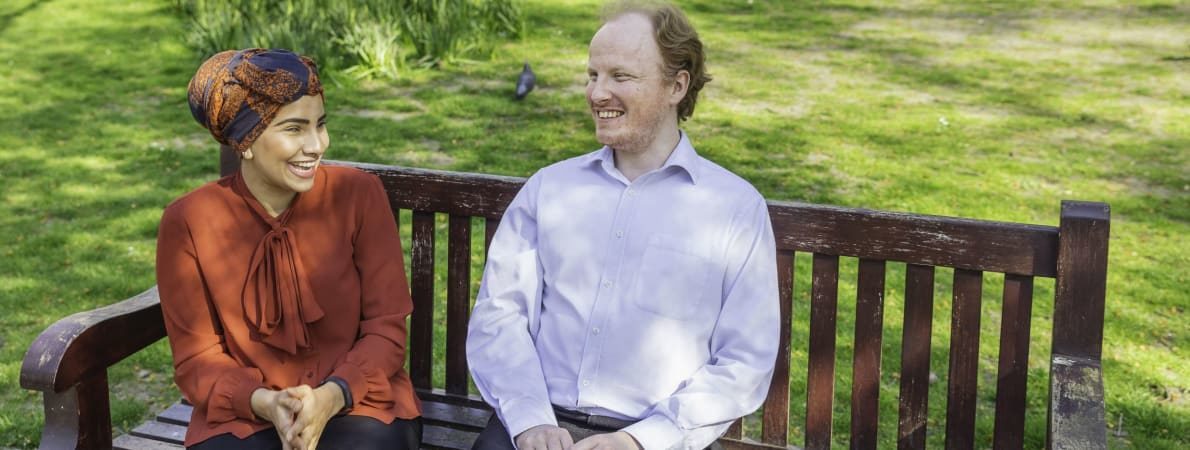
{"type": "Point", "coordinates": [68, 362]}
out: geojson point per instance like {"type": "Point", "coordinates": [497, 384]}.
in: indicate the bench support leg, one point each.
{"type": "Point", "coordinates": [79, 417]}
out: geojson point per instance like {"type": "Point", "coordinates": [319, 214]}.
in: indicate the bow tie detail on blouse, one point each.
{"type": "Point", "coordinates": [277, 298]}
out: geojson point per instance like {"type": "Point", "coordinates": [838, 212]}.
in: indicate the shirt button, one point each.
{"type": "Point", "coordinates": [607, 284]}
{"type": "Point", "coordinates": [619, 234]}
{"type": "Point", "coordinates": [595, 330]}
{"type": "Point", "coordinates": [586, 382]}
{"type": "Point", "coordinates": [310, 374]}
{"type": "Point", "coordinates": [632, 192]}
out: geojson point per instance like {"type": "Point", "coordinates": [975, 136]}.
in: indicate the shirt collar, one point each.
{"type": "Point", "coordinates": [683, 157]}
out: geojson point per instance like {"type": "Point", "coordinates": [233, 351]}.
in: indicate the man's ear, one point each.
{"type": "Point", "coordinates": [681, 83]}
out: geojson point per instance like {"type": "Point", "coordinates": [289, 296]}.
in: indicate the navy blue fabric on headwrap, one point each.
{"type": "Point", "coordinates": [235, 94]}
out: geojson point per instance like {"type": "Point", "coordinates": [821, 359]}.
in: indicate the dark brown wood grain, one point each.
{"type": "Point", "coordinates": [1082, 281]}
{"type": "Point", "coordinates": [869, 327]}
{"type": "Point", "coordinates": [436, 437]}
{"type": "Point", "coordinates": [78, 417]}
{"type": "Point", "coordinates": [736, 430]}
{"type": "Point", "coordinates": [177, 413]}
{"type": "Point", "coordinates": [161, 431]}
{"type": "Point", "coordinates": [472, 418]}
{"type": "Point", "coordinates": [441, 396]}
{"type": "Point", "coordinates": [91, 341]}
{"type": "Point", "coordinates": [775, 421]}
{"type": "Point", "coordinates": [421, 287]}
{"type": "Point", "coordinates": [748, 444]}
{"type": "Point", "coordinates": [464, 194]}
{"type": "Point", "coordinates": [1012, 375]}
{"type": "Point", "coordinates": [458, 302]}
{"type": "Point", "coordinates": [489, 231]}
{"type": "Point", "coordinates": [915, 357]}
{"type": "Point", "coordinates": [964, 359]}
{"type": "Point", "coordinates": [917, 239]}
{"type": "Point", "coordinates": [1076, 412]}
{"type": "Point", "coordinates": [820, 383]}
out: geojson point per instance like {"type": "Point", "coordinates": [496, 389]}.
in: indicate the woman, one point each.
{"type": "Point", "coordinates": [282, 285]}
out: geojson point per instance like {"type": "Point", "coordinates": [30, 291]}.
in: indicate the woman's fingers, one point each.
{"type": "Point", "coordinates": [295, 432]}
{"type": "Point", "coordinates": [300, 391]}
{"type": "Point", "coordinates": [292, 404]}
{"type": "Point", "coordinates": [284, 443]}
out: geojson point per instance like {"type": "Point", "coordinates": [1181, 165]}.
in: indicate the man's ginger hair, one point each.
{"type": "Point", "coordinates": [676, 38]}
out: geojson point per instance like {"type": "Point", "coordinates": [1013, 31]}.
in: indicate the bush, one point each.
{"type": "Point", "coordinates": [362, 38]}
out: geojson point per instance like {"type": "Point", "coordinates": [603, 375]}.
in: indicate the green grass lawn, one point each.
{"type": "Point", "coordinates": [987, 111]}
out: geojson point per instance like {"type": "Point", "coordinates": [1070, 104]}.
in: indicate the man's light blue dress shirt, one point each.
{"type": "Point", "coordinates": [653, 300]}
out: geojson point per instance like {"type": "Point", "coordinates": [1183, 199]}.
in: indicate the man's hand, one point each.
{"type": "Point", "coordinates": [608, 441]}
{"type": "Point", "coordinates": [277, 407]}
{"type": "Point", "coordinates": [318, 406]}
{"type": "Point", "coordinates": [544, 437]}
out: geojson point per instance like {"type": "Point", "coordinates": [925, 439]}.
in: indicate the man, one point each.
{"type": "Point", "coordinates": [632, 290]}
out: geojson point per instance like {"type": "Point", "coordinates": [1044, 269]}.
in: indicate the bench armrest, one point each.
{"type": "Point", "coordinates": [68, 363]}
{"type": "Point", "coordinates": [1076, 413]}
{"type": "Point", "coordinates": [91, 341]}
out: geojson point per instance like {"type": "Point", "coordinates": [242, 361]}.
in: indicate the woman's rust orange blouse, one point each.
{"type": "Point", "coordinates": [252, 301]}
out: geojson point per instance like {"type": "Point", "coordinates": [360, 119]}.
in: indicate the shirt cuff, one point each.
{"type": "Point", "coordinates": [522, 414]}
{"type": "Point", "coordinates": [241, 400]}
{"type": "Point", "coordinates": [343, 387]}
{"type": "Point", "coordinates": [355, 381]}
{"type": "Point", "coordinates": [231, 396]}
{"type": "Point", "coordinates": [655, 432]}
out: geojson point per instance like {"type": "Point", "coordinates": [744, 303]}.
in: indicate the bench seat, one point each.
{"type": "Point", "coordinates": [447, 423]}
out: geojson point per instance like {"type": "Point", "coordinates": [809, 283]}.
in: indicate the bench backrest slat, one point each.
{"type": "Point", "coordinates": [462, 194]}
{"type": "Point", "coordinates": [820, 382]}
{"type": "Point", "coordinates": [458, 303]}
{"type": "Point", "coordinates": [421, 287]}
{"type": "Point", "coordinates": [736, 430]}
{"type": "Point", "coordinates": [964, 358]}
{"type": "Point", "coordinates": [489, 230]}
{"type": "Point", "coordinates": [775, 422]}
{"type": "Point", "coordinates": [917, 239]}
{"type": "Point", "coordinates": [1013, 371]}
{"type": "Point", "coordinates": [869, 329]}
{"type": "Point", "coordinates": [915, 356]}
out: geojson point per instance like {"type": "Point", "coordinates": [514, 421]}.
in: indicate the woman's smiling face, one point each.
{"type": "Point", "coordinates": [283, 160]}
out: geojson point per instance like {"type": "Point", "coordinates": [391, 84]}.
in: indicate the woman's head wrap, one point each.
{"type": "Point", "coordinates": [236, 94]}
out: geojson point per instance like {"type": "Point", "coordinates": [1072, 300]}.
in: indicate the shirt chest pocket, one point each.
{"type": "Point", "coordinates": [674, 280]}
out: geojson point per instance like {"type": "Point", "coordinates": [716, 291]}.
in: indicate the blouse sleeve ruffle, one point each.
{"type": "Point", "coordinates": [231, 395]}
{"type": "Point", "coordinates": [369, 384]}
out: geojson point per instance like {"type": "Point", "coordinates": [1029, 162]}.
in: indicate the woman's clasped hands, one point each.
{"type": "Point", "coordinates": [298, 413]}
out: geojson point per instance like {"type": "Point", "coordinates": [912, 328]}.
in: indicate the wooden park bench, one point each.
{"type": "Point", "coordinates": [68, 362]}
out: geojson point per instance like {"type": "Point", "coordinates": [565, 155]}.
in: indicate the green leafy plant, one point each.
{"type": "Point", "coordinates": [363, 38]}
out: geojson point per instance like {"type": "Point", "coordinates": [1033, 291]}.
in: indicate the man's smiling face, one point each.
{"type": "Point", "coordinates": [629, 96]}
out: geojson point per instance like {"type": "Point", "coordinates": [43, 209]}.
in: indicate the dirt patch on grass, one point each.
{"type": "Point", "coordinates": [427, 153]}
{"type": "Point", "coordinates": [190, 142]}
{"type": "Point", "coordinates": [1135, 186]}
{"type": "Point", "coordinates": [379, 114]}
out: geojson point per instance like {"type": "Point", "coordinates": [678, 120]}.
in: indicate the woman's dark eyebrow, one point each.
{"type": "Point", "coordinates": [297, 120]}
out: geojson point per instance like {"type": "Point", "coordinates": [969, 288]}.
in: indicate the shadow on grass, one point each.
{"type": "Point", "coordinates": [7, 19]}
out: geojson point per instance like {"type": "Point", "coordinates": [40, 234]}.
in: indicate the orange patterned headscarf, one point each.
{"type": "Point", "coordinates": [236, 94]}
